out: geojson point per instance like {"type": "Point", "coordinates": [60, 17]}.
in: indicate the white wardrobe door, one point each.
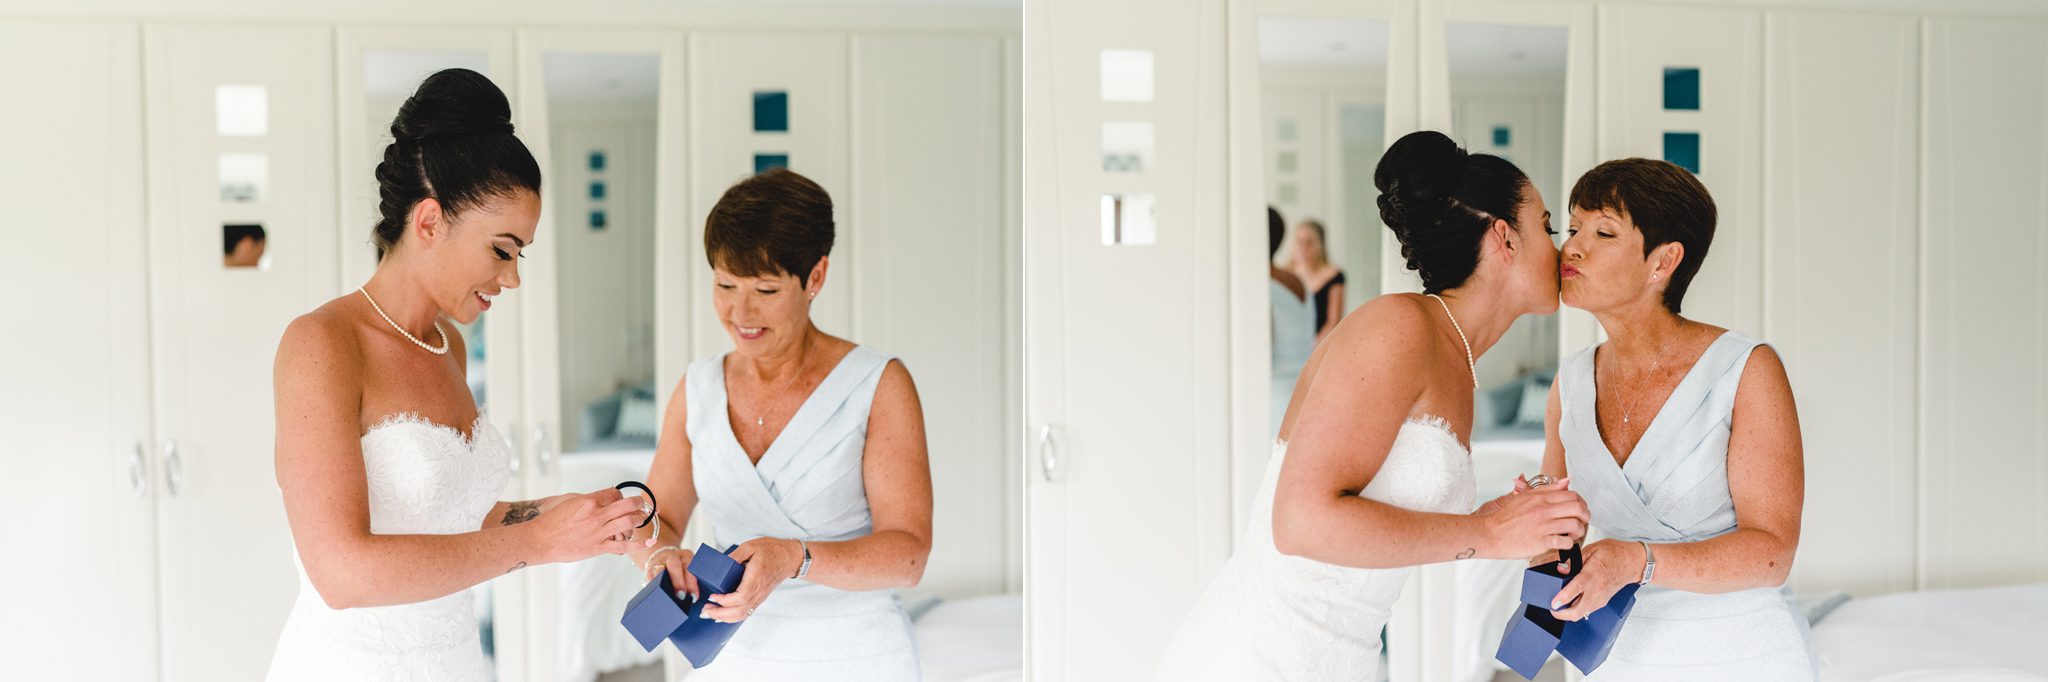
{"type": "Point", "coordinates": [1984, 406]}
{"type": "Point", "coordinates": [74, 429]}
{"type": "Point", "coordinates": [1124, 342]}
{"type": "Point", "coordinates": [727, 72]}
{"type": "Point", "coordinates": [266, 92]}
{"type": "Point", "coordinates": [1842, 222]}
{"type": "Point", "coordinates": [1637, 45]}
{"type": "Point", "coordinates": [928, 233]}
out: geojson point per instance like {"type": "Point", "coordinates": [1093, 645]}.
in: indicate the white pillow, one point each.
{"type": "Point", "coordinates": [638, 419]}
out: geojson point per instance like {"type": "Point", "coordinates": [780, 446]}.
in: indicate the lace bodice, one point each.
{"type": "Point", "coordinates": [424, 478]}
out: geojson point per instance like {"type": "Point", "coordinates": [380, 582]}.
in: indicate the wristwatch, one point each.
{"type": "Point", "coordinates": [804, 569]}
{"type": "Point", "coordinates": [1649, 563]}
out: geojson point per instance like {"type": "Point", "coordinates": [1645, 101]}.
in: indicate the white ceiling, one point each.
{"type": "Point", "coordinates": [601, 79]}
{"type": "Point", "coordinates": [1361, 45]}
{"type": "Point", "coordinates": [1342, 44]}
{"type": "Point", "coordinates": [1504, 50]}
{"type": "Point", "coordinates": [572, 78]}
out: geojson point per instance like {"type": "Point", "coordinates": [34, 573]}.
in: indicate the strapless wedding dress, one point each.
{"type": "Point", "coordinates": [1269, 616]}
{"type": "Point", "coordinates": [424, 478]}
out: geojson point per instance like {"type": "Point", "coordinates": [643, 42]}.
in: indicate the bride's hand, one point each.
{"type": "Point", "coordinates": [769, 562]}
{"type": "Point", "coordinates": [1523, 524]}
{"type": "Point", "coordinates": [1609, 565]}
{"type": "Point", "coordinates": [586, 525]}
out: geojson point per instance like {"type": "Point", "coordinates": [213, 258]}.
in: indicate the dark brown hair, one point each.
{"type": "Point", "coordinates": [1439, 200]}
{"type": "Point", "coordinates": [776, 222]}
{"type": "Point", "coordinates": [452, 141]}
{"type": "Point", "coordinates": [1664, 201]}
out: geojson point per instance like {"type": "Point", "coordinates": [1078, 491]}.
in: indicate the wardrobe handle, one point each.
{"type": "Point", "coordinates": [1048, 453]}
{"type": "Point", "coordinates": [174, 468]}
{"type": "Point", "coordinates": [540, 447]}
{"type": "Point", "coordinates": [138, 479]}
{"type": "Point", "coordinates": [513, 462]}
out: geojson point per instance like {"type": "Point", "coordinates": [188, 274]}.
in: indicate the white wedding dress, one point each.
{"type": "Point", "coordinates": [424, 478]}
{"type": "Point", "coordinates": [1269, 616]}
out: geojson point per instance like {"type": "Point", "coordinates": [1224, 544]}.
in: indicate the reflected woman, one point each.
{"type": "Point", "coordinates": [1371, 475]}
{"type": "Point", "coordinates": [1311, 263]}
{"type": "Point", "coordinates": [805, 449]}
{"type": "Point", "coordinates": [1683, 438]}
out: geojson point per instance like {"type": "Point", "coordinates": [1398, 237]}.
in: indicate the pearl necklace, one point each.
{"type": "Point", "coordinates": [1469, 365]}
{"type": "Point", "coordinates": [443, 350]}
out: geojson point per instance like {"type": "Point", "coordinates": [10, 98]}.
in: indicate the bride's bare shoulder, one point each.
{"type": "Point", "coordinates": [326, 336]}
{"type": "Point", "coordinates": [1388, 331]}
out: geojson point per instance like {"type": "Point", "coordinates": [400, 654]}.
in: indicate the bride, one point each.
{"type": "Point", "coordinates": [1370, 474]}
{"type": "Point", "coordinates": [389, 473]}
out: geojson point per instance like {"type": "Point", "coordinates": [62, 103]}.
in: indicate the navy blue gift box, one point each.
{"type": "Point", "coordinates": [1533, 632]}
{"type": "Point", "coordinates": [656, 613]}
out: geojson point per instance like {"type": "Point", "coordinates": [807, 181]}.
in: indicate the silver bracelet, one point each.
{"type": "Point", "coordinates": [657, 552]}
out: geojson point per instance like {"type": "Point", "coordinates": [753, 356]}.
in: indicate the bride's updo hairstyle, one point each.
{"type": "Point", "coordinates": [452, 142]}
{"type": "Point", "coordinates": [1439, 200]}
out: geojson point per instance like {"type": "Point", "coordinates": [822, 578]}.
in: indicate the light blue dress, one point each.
{"type": "Point", "coordinates": [1294, 338]}
{"type": "Point", "coordinates": [808, 485]}
{"type": "Point", "coordinates": [1674, 488]}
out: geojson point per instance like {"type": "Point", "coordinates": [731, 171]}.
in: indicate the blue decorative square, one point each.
{"type": "Point", "coordinates": [763, 162]}
{"type": "Point", "coordinates": [771, 111]}
{"type": "Point", "coordinates": [597, 161]}
{"type": "Point", "coordinates": [596, 189]}
{"type": "Point", "coordinates": [1681, 89]}
{"type": "Point", "coordinates": [597, 220]}
{"type": "Point", "coordinates": [1683, 149]}
{"type": "Point", "coordinates": [1501, 135]}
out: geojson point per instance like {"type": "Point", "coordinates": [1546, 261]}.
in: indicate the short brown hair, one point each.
{"type": "Point", "coordinates": [1666, 202]}
{"type": "Point", "coordinates": [776, 222]}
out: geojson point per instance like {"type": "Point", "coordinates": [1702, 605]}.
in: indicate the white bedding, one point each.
{"type": "Point", "coordinates": [977, 639]}
{"type": "Point", "coordinates": [1487, 591]}
{"type": "Point", "coordinates": [1997, 633]}
{"type": "Point", "coordinates": [595, 592]}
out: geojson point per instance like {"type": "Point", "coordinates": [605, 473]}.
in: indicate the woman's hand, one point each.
{"type": "Point", "coordinates": [1609, 565]}
{"type": "Point", "coordinates": [677, 561]}
{"type": "Point", "coordinates": [769, 562]}
{"type": "Point", "coordinates": [586, 525]}
{"type": "Point", "coordinates": [1525, 523]}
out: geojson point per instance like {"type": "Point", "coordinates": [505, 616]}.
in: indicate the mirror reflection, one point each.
{"type": "Point", "coordinates": [1507, 99]}
{"type": "Point", "coordinates": [601, 111]}
{"type": "Point", "coordinates": [1323, 85]}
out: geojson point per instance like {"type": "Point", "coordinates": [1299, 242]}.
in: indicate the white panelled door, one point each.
{"type": "Point", "coordinates": [216, 95]}
{"type": "Point", "coordinates": [929, 237]}
{"type": "Point", "coordinates": [78, 487]}
{"type": "Point", "coordinates": [1125, 332]}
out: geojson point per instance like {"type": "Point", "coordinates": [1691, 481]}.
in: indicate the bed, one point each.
{"type": "Point", "coordinates": [1989, 634]}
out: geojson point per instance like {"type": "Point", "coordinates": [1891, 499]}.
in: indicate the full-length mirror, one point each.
{"type": "Point", "coordinates": [1507, 87]}
{"type": "Point", "coordinates": [1323, 96]}
{"type": "Point", "coordinates": [601, 118]}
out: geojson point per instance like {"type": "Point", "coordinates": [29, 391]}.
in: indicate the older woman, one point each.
{"type": "Point", "coordinates": [804, 448]}
{"type": "Point", "coordinates": [1699, 498]}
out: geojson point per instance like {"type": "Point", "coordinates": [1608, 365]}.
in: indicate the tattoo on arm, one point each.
{"type": "Point", "coordinates": [1467, 554]}
{"type": "Point", "coordinates": [520, 512]}
{"type": "Point", "coordinates": [521, 565]}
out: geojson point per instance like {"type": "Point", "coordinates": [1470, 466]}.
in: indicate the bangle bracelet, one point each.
{"type": "Point", "coordinates": [657, 553]}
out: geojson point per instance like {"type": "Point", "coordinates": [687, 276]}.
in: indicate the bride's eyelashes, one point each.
{"type": "Point", "coordinates": [502, 255]}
